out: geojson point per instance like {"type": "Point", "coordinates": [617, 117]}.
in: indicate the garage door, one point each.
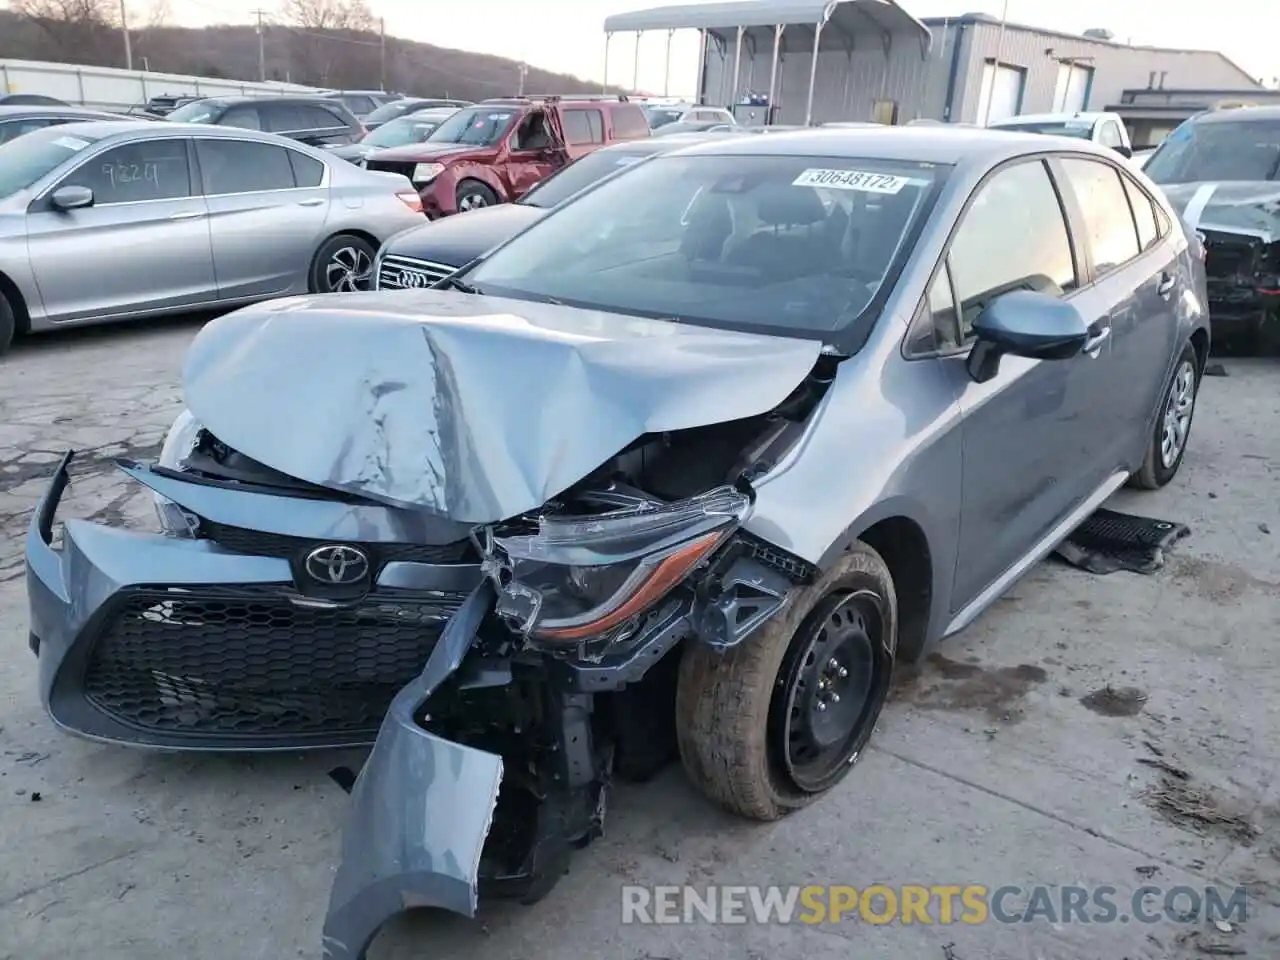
{"type": "Point", "coordinates": [1070, 94]}
{"type": "Point", "coordinates": [1001, 92]}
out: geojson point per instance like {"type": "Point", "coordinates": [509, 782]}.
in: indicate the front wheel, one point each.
{"type": "Point", "coordinates": [343, 264]}
{"type": "Point", "coordinates": [768, 726]}
{"type": "Point", "coordinates": [472, 195]}
{"type": "Point", "coordinates": [1168, 442]}
{"type": "Point", "coordinates": [8, 323]}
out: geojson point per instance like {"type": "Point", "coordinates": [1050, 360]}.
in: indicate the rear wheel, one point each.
{"type": "Point", "coordinates": [343, 264]}
{"type": "Point", "coordinates": [472, 195]}
{"type": "Point", "coordinates": [768, 726]}
{"type": "Point", "coordinates": [1168, 442]}
{"type": "Point", "coordinates": [8, 323]}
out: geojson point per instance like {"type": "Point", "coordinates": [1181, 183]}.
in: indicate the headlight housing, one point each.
{"type": "Point", "coordinates": [178, 444]}
{"type": "Point", "coordinates": [578, 577]}
{"type": "Point", "coordinates": [426, 172]}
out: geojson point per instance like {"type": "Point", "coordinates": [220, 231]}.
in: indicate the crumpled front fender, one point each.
{"type": "Point", "coordinates": [420, 810]}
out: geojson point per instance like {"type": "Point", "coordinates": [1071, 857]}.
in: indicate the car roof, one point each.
{"type": "Point", "coordinates": [1051, 117]}
{"type": "Point", "coordinates": [123, 129]}
{"type": "Point", "coordinates": [963, 147]}
{"type": "Point", "coordinates": [1229, 114]}
{"type": "Point", "coordinates": [269, 98]}
{"type": "Point", "coordinates": [26, 109]}
{"type": "Point", "coordinates": [427, 112]}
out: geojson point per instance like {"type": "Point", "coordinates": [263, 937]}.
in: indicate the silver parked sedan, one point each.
{"type": "Point", "coordinates": [114, 220]}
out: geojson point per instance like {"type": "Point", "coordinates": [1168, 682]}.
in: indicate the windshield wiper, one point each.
{"type": "Point", "coordinates": [453, 283]}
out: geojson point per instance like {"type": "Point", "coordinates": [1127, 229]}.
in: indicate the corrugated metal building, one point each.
{"type": "Point", "coordinates": [826, 60]}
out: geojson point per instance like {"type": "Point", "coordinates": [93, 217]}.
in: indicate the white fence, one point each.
{"type": "Point", "coordinates": [106, 88]}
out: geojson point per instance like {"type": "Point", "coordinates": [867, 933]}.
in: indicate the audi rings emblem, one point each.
{"type": "Point", "coordinates": [337, 564]}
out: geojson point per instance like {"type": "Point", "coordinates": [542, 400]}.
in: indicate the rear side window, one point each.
{"type": "Point", "coordinates": [1109, 135]}
{"type": "Point", "coordinates": [1104, 205]}
{"type": "Point", "coordinates": [1016, 212]}
{"type": "Point", "coordinates": [238, 166]}
{"type": "Point", "coordinates": [283, 117]}
{"type": "Point", "coordinates": [320, 118]}
{"type": "Point", "coordinates": [583, 126]}
{"type": "Point", "coordinates": [629, 122]}
{"type": "Point", "coordinates": [244, 117]}
{"type": "Point", "coordinates": [1144, 214]}
{"type": "Point", "coordinates": [307, 171]}
{"type": "Point", "coordinates": [358, 103]}
{"type": "Point", "coordinates": [132, 172]}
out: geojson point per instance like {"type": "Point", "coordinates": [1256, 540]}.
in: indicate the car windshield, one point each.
{"type": "Point", "coordinates": [402, 131]}
{"type": "Point", "coordinates": [783, 245]}
{"type": "Point", "coordinates": [1081, 129]}
{"type": "Point", "coordinates": [389, 111]}
{"type": "Point", "coordinates": [1246, 149]}
{"type": "Point", "coordinates": [577, 176]}
{"type": "Point", "coordinates": [476, 126]}
{"type": "Point", "coordinates": [199, 112]}
{"type": "Point", "coordinates": [661, 116]}
{"type": "Point", "coordinates": [24, 160]}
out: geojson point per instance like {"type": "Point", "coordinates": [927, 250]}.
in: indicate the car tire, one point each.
{"type": "Point", "coordinates": [8, 324]}
{"type": "Point", "coordinates": [1167, 444]}
{"type": "Point", "coordinates": [472, 195]}
{"type": "Point", "coordinates": [343, 264]}
{"type": "Point", "coordinates": [746, 716]}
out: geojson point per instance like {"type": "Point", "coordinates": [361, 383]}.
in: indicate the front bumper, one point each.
{"type": "Point", "coordinates": [211, 644]}
{"type": "Point", "coordinates": [420, 812]}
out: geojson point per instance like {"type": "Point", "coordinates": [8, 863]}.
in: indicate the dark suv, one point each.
{"type": "Point", "coordinates": [319, 121]}
{"type": "Point", "coordinates": [362, 102]}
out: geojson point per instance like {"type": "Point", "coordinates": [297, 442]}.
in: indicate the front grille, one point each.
{"type": "Point", "coordinates": [259, 544]}
{"type": "Point", "coordinates": [392, 166]}
{"type": "Point", "coordinates": [245, 663]}
{"type": "Point", "coordinates": [406, 273]}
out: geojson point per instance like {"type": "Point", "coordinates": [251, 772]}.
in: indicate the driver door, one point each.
{"type": "Point", "coordinates": [532, 155]}
{"type": "Point", "coordinates": [142, 246]}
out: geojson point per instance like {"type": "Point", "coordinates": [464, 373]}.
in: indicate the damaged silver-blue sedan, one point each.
{"type": "Point", "coordinates": [682, 468]}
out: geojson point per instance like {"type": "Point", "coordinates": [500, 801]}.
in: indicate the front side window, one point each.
{"type": "Point", "coordinates": [24, 161]}
{"type": "Point", "coordinates": [1108, 221]}
{"type": "Point", "coordinates": [198, 111]}
{"type": "Point", "coordinates": [1013, 237]}
{"type": "Point", "coordinates": [475, 126]}
{"type": "Point", "coordinates": [133, 172]}
{"type": "Point", "coordinates": [246, 118]}
{"type": "Point", "coordinates": [789, 245]}
{"type": "Point", "coordinates": [1144, 214]}
{"type": "Point", "coordinates": [239, 166]}
{"type": "Point", "coordinates": [1203, 150]}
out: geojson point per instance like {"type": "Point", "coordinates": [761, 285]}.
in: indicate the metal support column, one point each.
{"type": "Point", "coordinates": [737, 65]}
{"type": "Point", "coordinates": [635, 67]}
{"type": "Point", "coordinates": [702, 66]}
{"type": "Point", "coordinates": [773, 67]}
{"type": "Point", "coordinates": [813, 73]}
{"type": "Point", "coordinates": [666, 70]}
{"type": "Point", "coordinates": [604, 84]}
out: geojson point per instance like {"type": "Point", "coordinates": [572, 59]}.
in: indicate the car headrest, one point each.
{"type": "Point", "coordinates": [787, 206]}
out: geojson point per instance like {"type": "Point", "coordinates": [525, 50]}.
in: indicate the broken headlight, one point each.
{"type": "Point", "coordinates": [570, 577]}
{"type": "Point", "coordinates": [178, 444]}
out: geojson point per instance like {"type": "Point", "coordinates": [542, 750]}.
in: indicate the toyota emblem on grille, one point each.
{"type": "Point", "coordinates": [337, 564]}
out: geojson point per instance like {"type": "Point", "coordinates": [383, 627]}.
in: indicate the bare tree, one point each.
{"type": "Point", "coordinates": [330, 41]}
{"type": "Point", "coordinates": [75, 31]}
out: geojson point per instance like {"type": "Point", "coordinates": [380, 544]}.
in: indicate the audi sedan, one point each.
{"type": "Point", "coordinates": [112, 220]}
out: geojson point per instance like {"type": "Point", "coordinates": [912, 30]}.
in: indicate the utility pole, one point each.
{"type": "Point", "coordinates": [128, 45]}
{"type": "Point", "coordinates": [524, 70]}
{"type": "Point", "coordinates": [382, 51]}
{"type": "Point", "coordinates": [262, 46]}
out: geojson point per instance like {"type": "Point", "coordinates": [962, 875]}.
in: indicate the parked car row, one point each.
{"type": "Point", "coordinates": [680, 466]}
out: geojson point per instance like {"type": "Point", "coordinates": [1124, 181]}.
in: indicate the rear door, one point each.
{"type": "Point", "coordinates": [1134, 278]}
{"type": "Point", "coordinates": [143, 245]}
{"type": "Point", "coordinates": [1029, 433]}
{"type": "Point", "coordinates": [267, 210]}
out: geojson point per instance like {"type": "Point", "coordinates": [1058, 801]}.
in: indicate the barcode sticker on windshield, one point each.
{"type": "Point", "coordinates": [72, 143]}
{"type": "Point", "coordinates": [850, 180]}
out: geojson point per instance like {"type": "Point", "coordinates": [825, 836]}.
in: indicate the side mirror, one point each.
{"type": "Point", "coordinates": [1025, 324]}
{"type": "Point", "coordinates": [71, 198]}
{"type": "Point", "coordinates": [1126, 152]}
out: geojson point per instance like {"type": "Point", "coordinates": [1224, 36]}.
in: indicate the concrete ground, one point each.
{"type": "Point", "coordinates": [1090, 730]}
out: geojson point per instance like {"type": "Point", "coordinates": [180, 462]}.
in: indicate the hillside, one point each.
{"type": "Point", "coordinates": [347, 59]}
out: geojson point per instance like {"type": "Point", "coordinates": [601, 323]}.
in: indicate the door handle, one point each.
{"type": "Point", "coordinates": [1167, 283]}
{"type": "Point", "coordinates": [1098, 335]}
{"type": "Point", "coordinates": [313, 202]}
{"type": "Point", "coordinates": [187, 215]}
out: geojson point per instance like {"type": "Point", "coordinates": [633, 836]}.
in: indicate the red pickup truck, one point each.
{"type": "Point", "coordinates": [495, 151]}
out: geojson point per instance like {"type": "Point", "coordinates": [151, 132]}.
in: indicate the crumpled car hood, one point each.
{"type": "Point", "coordinates": [473, 408]}
{"type": "Point", "coordinates": [1232, 207]}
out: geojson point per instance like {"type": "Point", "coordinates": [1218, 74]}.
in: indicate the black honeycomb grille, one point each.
{"type": "Point", "coordinates": [247, 663]}
{"type": "Point", "coordinates": [259, 544]}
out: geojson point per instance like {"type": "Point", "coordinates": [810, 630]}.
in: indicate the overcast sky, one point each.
{"type": "Point", "coordinates": [567, 35]}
